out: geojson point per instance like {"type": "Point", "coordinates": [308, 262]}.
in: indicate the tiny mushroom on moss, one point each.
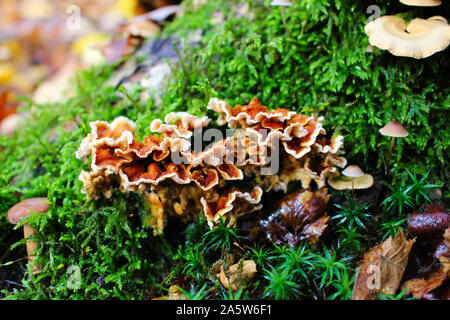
{"type": "Point", "coordinates": [420, 38]}
{"type": "Point", "coordinates": [422, 3]}
{"type": "Point", "coordinates": [353, 172]}
{"type": "Point", "coordinates": [395, 130]}
{"type": "Point", "coordinates": [282, 4]}
{"type": "Point", "coordinates": [345, 183]}
{"type": "Point", "coordinates": [22, 210]}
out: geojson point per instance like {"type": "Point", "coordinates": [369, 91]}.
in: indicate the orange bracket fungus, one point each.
{"type": "Point", "coordinates": [263, 150]}
{"type": "Point", "coordinates": [22, 210]}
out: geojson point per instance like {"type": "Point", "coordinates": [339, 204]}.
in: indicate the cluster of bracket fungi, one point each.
{"type": "Point", "coordinates": [220, 180]}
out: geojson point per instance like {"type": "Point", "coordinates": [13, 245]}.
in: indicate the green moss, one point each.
{"type": "Point", "coordinates": [322, 67]}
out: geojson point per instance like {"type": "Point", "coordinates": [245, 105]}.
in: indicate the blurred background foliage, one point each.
{"type": "Point", "coordinates": [321, 64]}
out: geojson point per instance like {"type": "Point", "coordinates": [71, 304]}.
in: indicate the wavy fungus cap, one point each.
{"type": "Point", "coordinates": [422, 3]}
{"type": "Point", "coordinates": [420, 38]}
{"type": "Point", "coordinates": [226, 178]}
{"type": "Point", "coordinates": [345, 183]}
{"type": "Point", "coordinates": [283, 3]}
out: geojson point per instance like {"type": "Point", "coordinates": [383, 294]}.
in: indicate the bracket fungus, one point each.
{"type": "Point", "coordinates": [422, 3]}
{"type": "Point", "coordinates": [395, 130]}
{"type": "Point", "coordinates": [22, 210]}
{"type": "Point", "coordinates": [420, 38]}
{"type": "Point", "coordinates": [229, 177]}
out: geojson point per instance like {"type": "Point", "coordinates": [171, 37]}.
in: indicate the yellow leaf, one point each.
{"type": "Point", "coordinates": [127, 8]}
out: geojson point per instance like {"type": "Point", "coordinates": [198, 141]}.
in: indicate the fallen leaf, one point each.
{"type": "Point", "coordinates": [143, 29]}
{"type": "Point", "coordinates": [174, 294]}
{"type": "Point", "coordinates": [238, 275]}
{"type": "Point", "coordinates": [445, 255]}
{"type": "Point", "coordinates": [298, 216]}
{"type": "Point", "coordinates": [421, 288]}
{"type": "Point", "coordinates": [382, 268]}
{"type": "Point", "coordinates": [118, 48]}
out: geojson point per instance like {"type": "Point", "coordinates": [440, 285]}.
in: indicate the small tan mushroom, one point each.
{"type": "Point", "coordinates": [24, 209]}
{"type": "Point", "coordinates": [395, 130]}
{"type": "Point", "coordinates": [420, 38]}
{"type": "Point", "coordinates": [345, 183]}
{"type": "Point", "coordinates": [284, 3]}
{"type": "Point", "coordinates": [353, 172]}
{"type": "Point", "coordinates": [422, 3]}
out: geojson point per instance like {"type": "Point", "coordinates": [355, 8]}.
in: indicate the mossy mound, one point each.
{"type": "Point", "coordinates": [319, 65]}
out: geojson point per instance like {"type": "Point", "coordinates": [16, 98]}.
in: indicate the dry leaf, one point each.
{"type": "Point", "coordinates": [174, 294]}
{"type": "Point", "coordinates": [421, 288]}
{"type": "Point", "coordinates": [238, 275]}
{"type": "Point", "coordinates": [427, 282]}
{"type": "Point", "coordinates": [299, 216]}
{"type": "Point", "coordinates": [445, 256]}
{"type": "Point", "coordinates": [382, 268]}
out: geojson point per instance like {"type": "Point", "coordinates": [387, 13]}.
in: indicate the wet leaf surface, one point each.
{"type": "Point", "coordinates": [297, 217]}
{"type": "Point", "coordinates": [382, 268]}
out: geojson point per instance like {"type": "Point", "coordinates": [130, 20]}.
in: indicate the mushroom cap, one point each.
{"type": "Point", "coordinates": [420, 38]}
{"type": "Point", "coordinates": [344, 183]}
{"type": "Point", "coordinates": [353, 171]}
{"type": "Point", "coordinates": [284, 3]}
{"type": "Point", "coordinates": [26, 207]}
{"type": "Point", "coordinates": [394, 129]}
{"type": "Point", "coordinates": [422, 3]}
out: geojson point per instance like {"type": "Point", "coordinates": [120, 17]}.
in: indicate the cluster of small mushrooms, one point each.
{"type": "Point", "coordinates": [420, 38]}
{"type": "Point", "coordinates": [353, 177]}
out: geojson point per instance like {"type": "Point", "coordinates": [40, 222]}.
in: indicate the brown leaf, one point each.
{"type": "Point", "coordinates": [382, 268]}
{"type": "Point", "coordinates": [238, 275]}
{"type": "Point", "coordinates": [445, 255]}
{"type": "Point", "coordinates": [299, 216]}
{"type": "Point", "coordinates": [174, 294]}
{"type": "Point", "coordinates": [420, 288]}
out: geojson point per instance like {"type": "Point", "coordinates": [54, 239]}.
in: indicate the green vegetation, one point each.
{"type": "Point", "coordinates": [323, 67]}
